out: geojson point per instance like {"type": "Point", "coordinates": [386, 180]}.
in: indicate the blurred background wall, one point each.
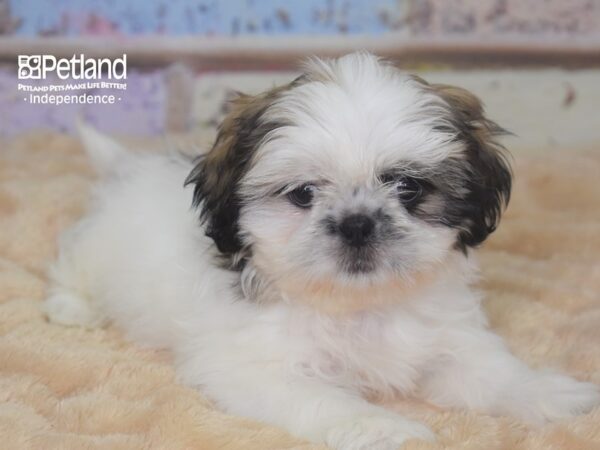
{"type": "Point", "coordinates": [76, 18]}
{"type": "Point", "coordinates": [534, 62]}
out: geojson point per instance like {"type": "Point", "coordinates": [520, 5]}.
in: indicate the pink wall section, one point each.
{"type": "Point", "coordinates": [140, 112]}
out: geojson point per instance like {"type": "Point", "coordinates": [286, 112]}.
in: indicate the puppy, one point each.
{"type": "Point", "coordinates": [331, 261]}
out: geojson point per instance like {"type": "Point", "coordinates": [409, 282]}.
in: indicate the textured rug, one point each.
{"type": "Point", "coordinates": [70, 388]}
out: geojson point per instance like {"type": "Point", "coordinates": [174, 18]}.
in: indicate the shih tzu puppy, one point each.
{"type": "Point", "coordinates": [331, 261]}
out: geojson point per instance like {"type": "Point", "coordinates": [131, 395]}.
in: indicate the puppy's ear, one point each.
{"type": "Point", "coordinates": [216, 176]}
{"type": "Point", "coordinates": [488, 176]}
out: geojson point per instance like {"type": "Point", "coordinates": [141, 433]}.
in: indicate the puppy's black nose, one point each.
{"type": "Point", "coordinates": [356, 229]}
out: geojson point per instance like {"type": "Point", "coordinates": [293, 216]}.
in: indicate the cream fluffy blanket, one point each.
{"type": "Point", "coordinates": [70, 388]}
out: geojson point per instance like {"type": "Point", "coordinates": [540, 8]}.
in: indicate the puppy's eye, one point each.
{"type": "Point", "coordinates": [302, 196]}
{"type": "Point", "coordinates": [409, 189]}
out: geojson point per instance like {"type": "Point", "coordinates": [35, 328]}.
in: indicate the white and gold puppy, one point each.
{"type": "Point", "coordinates": [332, 258]}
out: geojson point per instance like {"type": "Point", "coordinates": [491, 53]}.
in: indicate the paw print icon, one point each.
{"type": "Point", "coordinates": [30, 67]}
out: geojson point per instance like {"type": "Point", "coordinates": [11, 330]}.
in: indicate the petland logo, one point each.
{"type": "Point", "coordinates": [38, 67]}
{"type": "Point", "coordinates": [49, 80]}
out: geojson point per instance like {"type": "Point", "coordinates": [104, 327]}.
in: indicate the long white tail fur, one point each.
{"type": "Point", "coordinates": [103, 151]}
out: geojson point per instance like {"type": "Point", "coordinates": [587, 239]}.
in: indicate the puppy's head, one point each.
{"type": "Point", "coordinates": [352, 181]}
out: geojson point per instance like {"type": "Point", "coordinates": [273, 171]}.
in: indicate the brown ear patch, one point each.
{"type": "Point", "coordinates": [462, 101]}
{"type": "Point", "coordinates": [217, 174]}
{"type": "Point", "coordinates": [486, 172]}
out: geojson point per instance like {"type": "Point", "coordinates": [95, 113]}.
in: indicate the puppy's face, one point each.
{"type": "Point", "coordinates": [354, 179]}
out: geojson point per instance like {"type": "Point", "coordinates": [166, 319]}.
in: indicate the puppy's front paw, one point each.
{"type": "Point", "coordinates": [376, 433]}
{"type": "Point", "coordinates": [69, 309]}
{"type": "Point", "coordinates": [556, 397]}
{"type": "Point", "coordinates": [564, 397]}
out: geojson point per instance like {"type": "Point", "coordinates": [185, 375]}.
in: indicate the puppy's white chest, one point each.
{"type": "Point", "coordinates": [371, 352]}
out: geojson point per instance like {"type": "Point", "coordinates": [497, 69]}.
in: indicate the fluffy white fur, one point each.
{"type": "Point", "coordinates": [140, 259]}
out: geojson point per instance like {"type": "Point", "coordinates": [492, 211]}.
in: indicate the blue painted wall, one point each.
{"type": "Point", "coordinates": [203, 17]}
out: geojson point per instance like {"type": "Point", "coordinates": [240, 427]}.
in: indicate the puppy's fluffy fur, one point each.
{"type": "Point", "coordinates": [332, 259]}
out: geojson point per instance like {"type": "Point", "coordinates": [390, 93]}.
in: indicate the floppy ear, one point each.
{"type": "Point", "coordinates": [488, 172]}
{"type": "Point", "coordinates": [217, 174]}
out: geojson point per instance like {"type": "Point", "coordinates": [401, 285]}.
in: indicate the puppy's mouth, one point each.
{"type": "Point", "coordinates": [359, 261]}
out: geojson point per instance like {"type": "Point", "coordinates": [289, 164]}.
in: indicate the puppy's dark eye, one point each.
{"type": "Point", "coordinates": [302, 196]}
{"type": "Point", "coordinates": [409, 189]}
